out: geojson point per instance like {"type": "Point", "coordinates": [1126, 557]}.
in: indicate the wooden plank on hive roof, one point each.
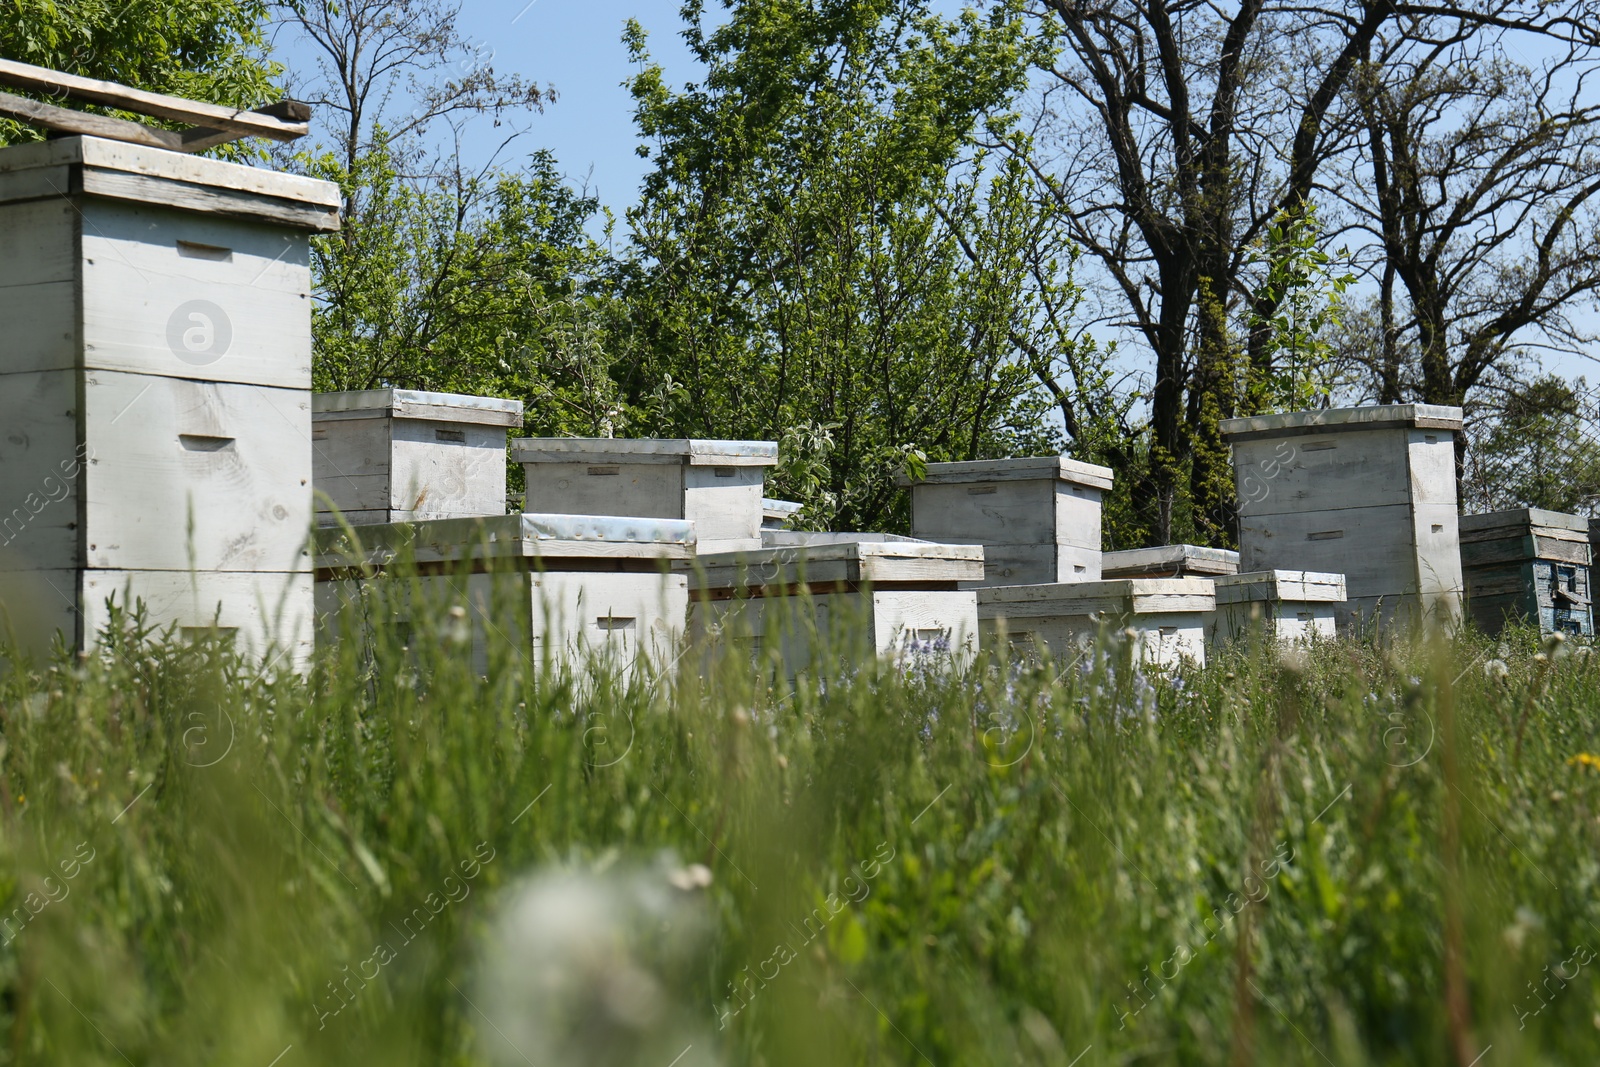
{"type": "Point", "coordinates": [66, 120]}
{"type": "Point", "coordinates": [281, 122]}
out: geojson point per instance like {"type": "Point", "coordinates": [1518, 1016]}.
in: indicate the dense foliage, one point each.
{"type": "Point", "coordinates": [1362, 856]}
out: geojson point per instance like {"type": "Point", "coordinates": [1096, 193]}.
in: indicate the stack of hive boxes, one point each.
{"type": "Point", "coordinates": [1528, 564]}
{"type": "Point", "coordinates": [750, 585]}
{"type": "Point", "coordinates": [577, 589]}
{"type": "Point", "coordinates": [155, 389]}
{"type": "Point", "coordinates": [393, 455]}
{"type": "Point", "coordinates": [1038, 521]}
{"type": "Point", "coordinates": [1369, 493]}
{"type": "Point", "coordinates": [1288, 605]}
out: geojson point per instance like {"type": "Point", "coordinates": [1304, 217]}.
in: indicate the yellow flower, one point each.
{"type": "Point", "coordinates": [1585, 759]}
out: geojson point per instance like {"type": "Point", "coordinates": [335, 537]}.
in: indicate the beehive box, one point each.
{"type": "Point", "coordinates": [1038, 520]}
{"type": "Point", "coordinates": [155, 380]}
{"type": "Point", "coordinates": [717, 485]}
{"type": "Point", "coordinates": [1369, 493]}
{"type": "Point", "coordinates": [1528, 564]}
{"type": "Point", "coordinates": [567, 590]}
{"type": "Point", "coordinates": [860, 593]}
{"type": "Point", "coordinates": [1167, 616]}
{"type": "Point", "coordinates": [266, 615]}
{"type": "Point", "coordinates": [396, 455]}
{"type": "Point", "coordinates": [1289, 605]}
{"type": "Point", "coordinates": [1169, 561]}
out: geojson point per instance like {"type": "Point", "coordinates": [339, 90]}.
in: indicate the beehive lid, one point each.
{"type": "Point", "coordinates": [779, 510]}
{"type": "Point", "coordinates": [413, 404]}
{"type": "Point", "coordinates": [1303, 587]}
{"type": "Point", "coordinates": [688, 452]}
{"type": "Point", "coordinates": [1119, 596]}
{"type": "Point", "coordinates": [1522, 521]}
{"type": "Point", "coordinates": [1169, 561]}
{"type": "Point", "coordinates": [809, 539]}
{"type": "Point", "coordinates": [881, 559]}
{"type": "Point", "coordinates": [117, 170]}
{"type": "Point", "coordinates": [1337, 420]}
{"type": "Point", "coordinates": [1056, 468]}
{"type": "Point", "coordinates": [526, 536]}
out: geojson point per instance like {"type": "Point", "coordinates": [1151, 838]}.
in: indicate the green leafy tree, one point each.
{"type": "Point", "coordinates": [210, 50]}
{"type": "Point", "coordinates": [1541, 451]}
{"type": "Point", "coordinates": [1304, 289]}
{"type": "Point", "coordinates": [823, 257]}
{"type": "Point", "coordinates": [491, 285]}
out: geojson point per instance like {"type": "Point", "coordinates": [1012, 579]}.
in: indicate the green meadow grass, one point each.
{"type": "Point", "coordinates": [1365, 855]}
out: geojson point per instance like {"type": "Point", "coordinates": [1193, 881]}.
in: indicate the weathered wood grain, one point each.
{"type": "Point", "coordinates": [1169, 561]}
{"type": "Point", "coordinates": [1032, 468]}
{"type": "Point", "coordinates": [66, 120]}
{"type": "Point", "coordinates": [453, 408]}
{"type": "Point", "coordinates": [271, 124]}
{"type": "Point", "coordinates": [101, 154]}
{"type": "Point", "coordinates": [1339, 420]}
{"type": "Point", "coordinates": [183, 474]}
{"type": "Point", "coordinates": [680, 451]}
{"type": "Point", "coordinates": [118, 185]}
{"type": "Point", "coordinates": [38, 245]}
{"type": "Point", "coordinates": [41, 471]}
{"type": "Point", "coordinates": [1366, 469]}
{"type": "Point", "coordinates": [1527, 564]}
{"type": "Point", "coordinates": [149, 308]}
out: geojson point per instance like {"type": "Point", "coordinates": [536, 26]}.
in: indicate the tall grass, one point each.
{"type": "Point", "coordinates": [1362, 855]}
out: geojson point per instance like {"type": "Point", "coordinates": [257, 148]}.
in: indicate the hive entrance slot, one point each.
{"type": "Point", "coordinates": [615, 622]}
{"type": "Point", "coordinates": [196, 442]}
{"type": "Point", "coordinates": [450, 435]}
{"type": "Point", "coordinates": [196, 250]}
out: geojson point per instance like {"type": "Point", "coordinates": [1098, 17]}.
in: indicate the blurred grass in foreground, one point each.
{"type": "Point", "coordinates": [1359, 856]}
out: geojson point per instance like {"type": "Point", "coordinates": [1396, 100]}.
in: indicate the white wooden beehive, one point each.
{"type": "Point", "coordinates": [1369, 493]}
{"type": "Point", "coordinates": [395, 455]}
{"type": "Point", "coordinates": [717, 485]}
{"type": "Point", "coordinates": [892, 596]}
{"type": "Point", "coordinates": [1166, 615]}
{"type": "Point", "coordinates": [155, 384]}
{"type": "Point", "coordinates": [1290, 605]}
{"type": "Point", "coordinates": [1037, 519]}
{"type": "Point", "coordinates": [1169, 561]}
{"type": "Point", "coordinates": [568, 590]}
